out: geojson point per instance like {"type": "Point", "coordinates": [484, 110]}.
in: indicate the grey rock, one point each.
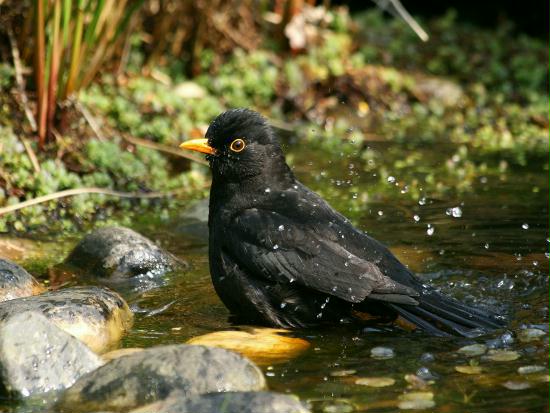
{"type": "Point", "coordinates": [95, 315]}
{"type": "Point", "coordinates": [230, 402]}
{"type": "Point", "coordinates": [152, 374]}
{"type": "Point", "coordinates": [37, 357]}
{"type": "Point", "coordinates": [120, 253]}
{"type": "Point", "coordinates": [15, 282]}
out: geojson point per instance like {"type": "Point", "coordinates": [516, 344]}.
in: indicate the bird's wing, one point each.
{"type": "Point", "coordinates": [280, 249]}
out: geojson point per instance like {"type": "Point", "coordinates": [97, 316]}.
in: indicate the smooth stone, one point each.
{"type": "Point", "coordinates": [120, 253]}
{"type": "Point", "coordinates": [502, 355]}
{"type": "Point", "coordinates": [37, 357]}
{"type": "Point", "coordinates": [152, 374]}
{"type": "Point", "coordinates": [516, 385]}
{"type": "Point", "coordinates": [469, 369]}
{"type": "Point", "coordinates": [229, 402]}
{"type": "Point", "coordinates": [530, 334]}
{"type": "Point", "coordinates": [96, 316]}
{"type": "Point", "coordinates": [416, 400]}
{"type": "Point", "coordinates": [16, 282]}
{"type": "Point", "coordinates": [375, 381]}
{"type": "Point", "coordinates": [382, 353]}
{"type": "Point", "coordinates": [473, 350]}
{"type": "Point", "coordinates": [531, 369]}
{"type": "Point", "coordinates": [263, 346]}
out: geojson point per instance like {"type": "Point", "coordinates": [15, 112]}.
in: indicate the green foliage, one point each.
{"type": "Point", "coordinates": [149, 109]}
{"type": "Point", "coordinates": [7, 74]}
{"type": "Point", "coordinates": [245, 80]}
{"type": "Point", "coordinates": [499, 59]}
{"type": "Point", "coordinates": [109, 166]}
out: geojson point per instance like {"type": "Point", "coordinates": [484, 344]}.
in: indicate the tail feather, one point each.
{"type": "Point", "coordinates": [441, 315]}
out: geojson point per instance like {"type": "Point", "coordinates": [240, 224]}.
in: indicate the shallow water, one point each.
{"type": "Point", "coordinates": [492, 254]}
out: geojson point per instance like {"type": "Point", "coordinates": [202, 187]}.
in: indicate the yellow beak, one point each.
{"type": "Point", "coordinates": [199, 145]}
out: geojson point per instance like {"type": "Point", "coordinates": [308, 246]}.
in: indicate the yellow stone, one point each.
{"type": "Point", "coordinates": [375, 381]}
{"type": "Point", "coordinates": [502, 355]}
{"type": "Point", "coordinates": [264, 346]}
{"type": "Point", "coordinates": [469, 369]}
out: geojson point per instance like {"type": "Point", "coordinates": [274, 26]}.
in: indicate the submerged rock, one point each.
{"type": "Point", "coordinates": [229, 402]}
{"type": "Point", "coordinates": [36, 356]}
{"type": "Point", "coordinates": [473, 350]}
{"type": "Point", "coordinates": [382, 353]}
{"type": "Point", "coordinates": [375, 381]}
{"type": "Point", "coordinates": [120, 253]}
{"type": "Point", "coordinates": [262, 345]}
{"type": "Point", "coordinates": [15, 282]}
{"type": "Point", "coordinates": [152, 374]}
{"type": "Point", "coordinates": [97, 316]}
{"type": "Point", "coordinates": [530, 334]}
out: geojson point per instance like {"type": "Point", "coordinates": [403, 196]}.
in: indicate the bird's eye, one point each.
{"type": "Point", "coordinates": [237, 145]}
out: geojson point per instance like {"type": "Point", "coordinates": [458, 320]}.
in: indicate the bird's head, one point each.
{"type": "Point", "coordinates": [240, 145]}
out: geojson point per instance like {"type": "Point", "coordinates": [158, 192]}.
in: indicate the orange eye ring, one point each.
{"type": "Point", "coordinates": [237, 145]}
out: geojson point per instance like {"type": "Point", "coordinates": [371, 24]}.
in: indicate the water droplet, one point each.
{"type": "Point", "coordinates": [422, 201]}
{"type": "Point", "coordinates": [391, 179]}
{"type": "Point", "coordinates": [455, 212]}
{"type": "Point", "coordinates": [486, 246]}
{"type": "Point", "coordinates": [268, 190]}
{"type": "Point", "coordinates": [380, 213]}
{"type": "Point", "coordinates": [416, 218]}
{"type": "Point", "coordinates": [319, 315]}
{"type": "Point", "coordinates": [281, 227]}
{"type": "Point", "coordinates": [525, 226]}
{"type": "Point", "coordinates": [430, 231]}
{"type": "Point", "coordinates": [283, 305]}
{"type": "Point", "coordinates": [275, 247]}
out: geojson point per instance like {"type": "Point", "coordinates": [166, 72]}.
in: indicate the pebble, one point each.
{"type": "Point", "coordinates": [473, 350]}
{"type": "Point", "coordinates": [416, 401]}
{"type": "Point", "coordinates": [469, 369]}
{"type": "Point", "coordinates": [382, 353]}
{"type": "Point", "coordinates": [425, 374]}
{"type": "Point", "coordinates": [427, 358]}
{"type": "Point", "coordinates": [502, 355]}
{"type": "Point", "coordinates": [516, 385]}
{"type": "Point", "coordinates": [530, 334]}
{"type": "Point", "coordinates": [375, 381]}
{"type": "Point", "coordinates": [531, 369]}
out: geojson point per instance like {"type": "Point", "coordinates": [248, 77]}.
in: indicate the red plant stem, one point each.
{"type": "Point", "coordinates": [40, 63]}
{"type": "Point", "coordinates": [54, 67]}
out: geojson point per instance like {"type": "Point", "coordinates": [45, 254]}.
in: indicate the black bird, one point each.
{"type": "Point", "coordinates": [280, 255]}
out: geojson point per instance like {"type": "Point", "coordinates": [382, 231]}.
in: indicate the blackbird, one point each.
{"type": "Point", "coordinates": [281, 255]}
